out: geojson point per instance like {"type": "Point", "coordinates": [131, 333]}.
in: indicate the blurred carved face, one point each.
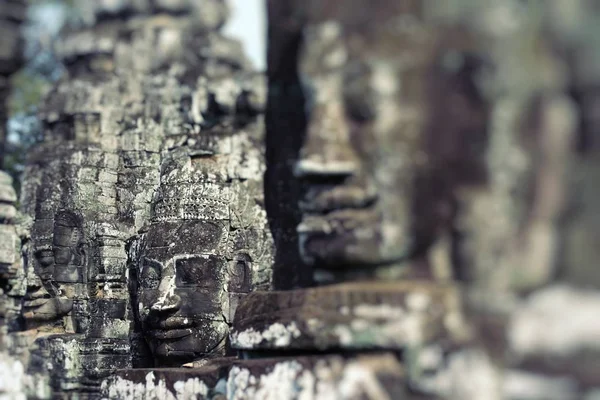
{"type": "Point", "coordinates": [41, 305]}
{"type": "Point", "coordinates": [363, 159]}
{"type": "Point", "coordinates": [180, 289]}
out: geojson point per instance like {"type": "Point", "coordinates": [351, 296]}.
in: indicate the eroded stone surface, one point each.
{"type": "Point", "coordinates": [156, 111]}
{"type": "Point", "coordinates": [378, 376]}
{"type": "Point", "coordinates": [351, 316]}
{"type": "Point", "coordinates": [161, 384]}
{"type": "Point", "coordinates": [13, 233]}
{"type": "Point", "coordinates": [408, 139]}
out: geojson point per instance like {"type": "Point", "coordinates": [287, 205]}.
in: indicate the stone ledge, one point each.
{"type": "Point", "coordinates": [355, 316]}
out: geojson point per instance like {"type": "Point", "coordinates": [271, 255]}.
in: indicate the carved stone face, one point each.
{"type": "Point", "coordinates": [56, 267]}
{"type": "Point", "coordinates": [181, 289]}
{"type": "Point", "coordinates": [41, 305]}
{"type": "Point", "coordinates": [363, 160]}
{"type": "Point", "coordinates": [68, 249]}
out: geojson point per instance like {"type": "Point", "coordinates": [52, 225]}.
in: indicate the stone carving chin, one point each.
{"type": "Point", "coordinates": [180, 311]}
{"type": "Point", "coordinates": [362, 160]}
{"type": "Point", "coordinates": [40, 306]}
{"type": "Point", "coordinates": [56, 269]}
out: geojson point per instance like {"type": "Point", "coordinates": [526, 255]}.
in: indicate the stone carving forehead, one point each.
{"type": "Point", "coordinates": [185, 237]}
{"type": "Point", "coordinates": [332, 45]}
{"type": "Point", "coordinates": [187, 200]}
{"type": "Point", "coordinates": [214, 156]}
{"type": "Point", "coordinates": [200, 270]}
{"type": "Point", "coordinates": [42, 233]}
{"type": "Point", "coordinates": [348, 24]}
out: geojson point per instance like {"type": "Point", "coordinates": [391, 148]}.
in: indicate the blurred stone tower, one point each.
{"type": "Point", "coordinates": [12, 14]}
{"type": "Point", "coordinates": [13, 228]}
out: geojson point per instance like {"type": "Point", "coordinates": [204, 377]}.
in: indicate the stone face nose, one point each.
{"type": "Point", "coordinates": [36, 291]}
{"type": "Point", "coordinates": [168, 304]}
{"type": "Point", "coordinates": [327, 150]}
{"type": "Point", "coordinates": [323, 156]}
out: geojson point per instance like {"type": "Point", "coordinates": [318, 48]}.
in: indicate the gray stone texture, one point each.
{"type": "Point", "coordinates": [13, 227]}
{"type": "Point", "coordinates": [425, 229]}
{"type": "Point", "coordinates": [12, 15]}
{"type": "Point", "coordinates": [445, 141]}
{"type": "Point", "coordinates": [156, 127]}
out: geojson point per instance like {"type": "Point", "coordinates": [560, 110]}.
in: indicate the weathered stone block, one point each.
{"type": "Point", "coordinates": [7, 212]}
{"type": "Point", "coordinates": [376, 376]}
{"type": "Point", "coordinates": [384, 315]}
{"type": "Point", "coordinates": [160, 384]}
{"type": "Point", "coordinates": [7, 193]}
{"type": "Point", "coordinates": [8, 244]}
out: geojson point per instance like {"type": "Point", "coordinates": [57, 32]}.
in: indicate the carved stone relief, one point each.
{"type": "Point", "coordinates": [90, 185]}
{"type": "Point", "coordinates": [207, 243]}
{"type": "Point", "coordinates": [60, 272]}
{"type": "Point", "coordinates": [407, 240]}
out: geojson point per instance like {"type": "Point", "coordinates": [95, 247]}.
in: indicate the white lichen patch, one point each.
{"type": "Point", "coordinates": [359, 381]}
{"type": "Point", "coordinates": [445, 377]}
{"type": "Point", "coordinates": [190, 389]}
{"type": "Point", "coordinates": [527, 385]}
{"type": "Point", "coordinates": [398, 333]}
{"type": "Point", "coordinates": [558, 320]}
{"type": "Point", "coordinates": [344, 335]}
{"type": "Point", "coordinates": [154, 389]}
{"type": "Point", "coordinates": [280, 383]}
{"type": "Point", "coordinates": [328, 378]}
{"type": "Point", "coordinates": [418, 301]}
{"type": "Point", "coordinates": [277, 335]}
{"type": "Point", "coordinates": [381, 324]}
{"type": "Point", "coordinates": [13, 380]}
{"type": "Point", "coordinates": [379, 311]}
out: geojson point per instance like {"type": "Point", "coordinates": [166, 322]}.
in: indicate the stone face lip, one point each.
{"type": "Point", "coordinates": [365, 315]}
